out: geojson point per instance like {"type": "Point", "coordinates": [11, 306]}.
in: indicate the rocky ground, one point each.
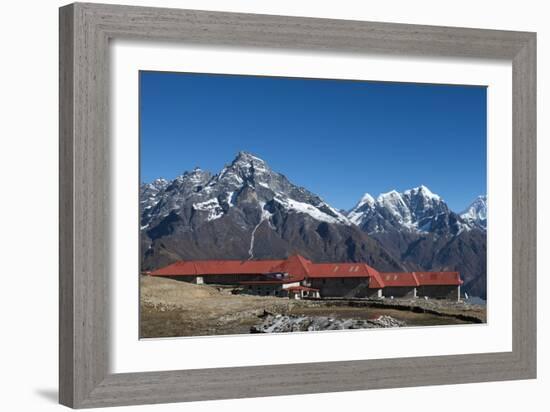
{"type": "Point", "coordinates": [171, 308]}
{"type": "Point", "coordinates": [296, 323]}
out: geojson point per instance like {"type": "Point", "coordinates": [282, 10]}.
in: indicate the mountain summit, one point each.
{"type": "Point", "coordinates": [476, 213]}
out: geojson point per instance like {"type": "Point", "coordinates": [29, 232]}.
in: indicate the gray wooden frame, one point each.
{"type": "Point", "coordinates": [85, 31]}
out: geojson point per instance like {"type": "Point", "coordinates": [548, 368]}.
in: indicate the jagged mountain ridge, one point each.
{"type": "Point", "coordinates": [419, 229]}
{"type": "Point", "coordinates": [246, 211]}
{"type": "Point", "coordinates": [416, 210]}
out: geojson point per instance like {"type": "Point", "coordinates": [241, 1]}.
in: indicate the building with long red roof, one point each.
{"type": "Point", "coordinates": [300, 277]}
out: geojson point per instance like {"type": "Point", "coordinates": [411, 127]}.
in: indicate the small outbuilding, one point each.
{"type": "Point", "coordinates": [300, 292]}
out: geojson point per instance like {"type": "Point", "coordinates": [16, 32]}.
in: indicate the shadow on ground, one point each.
{"type": "Point", "coordinates": [51, 395]}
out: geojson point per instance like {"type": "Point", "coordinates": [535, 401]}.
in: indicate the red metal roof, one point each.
{"type": "Point", "coordinates": [182, 268]}
{"type": "Point", "coordinates": [299, 268]}
{"type": "Point", "coordinates": [439, 278]}
{"type": "Point", "coordinates": [340, 270]}
{"type": "Point", "coordinates": [217, 267]}
{"type": "Point", "coordinates": [420, 278]}
{"type": "Point", "coordinates": [376, 282]}
{"type": "Point", "coordinates": [399, 279]}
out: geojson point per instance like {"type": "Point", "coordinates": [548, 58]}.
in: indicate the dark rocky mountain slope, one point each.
{"type": "Point", "coordinates": [247, 211]}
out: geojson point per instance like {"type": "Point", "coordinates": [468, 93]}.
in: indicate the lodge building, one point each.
{"type": "Point", "coordinates": [298, 277]}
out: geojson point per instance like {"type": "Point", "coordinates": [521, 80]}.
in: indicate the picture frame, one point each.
{"type": "Point", "coordinates": [84, 358]}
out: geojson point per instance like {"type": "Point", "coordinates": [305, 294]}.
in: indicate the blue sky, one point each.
{"type": "Point", "coordinates": [337, 138]}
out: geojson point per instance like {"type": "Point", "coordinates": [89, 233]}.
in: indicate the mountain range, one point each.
{"type": "Point", "coordinates": [249, 211]}
{"type": "Point", "coordinates": [418, 229]}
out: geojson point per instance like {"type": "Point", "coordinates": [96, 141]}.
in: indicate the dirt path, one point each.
{"type": "Point", "coordinates": [462, 311]}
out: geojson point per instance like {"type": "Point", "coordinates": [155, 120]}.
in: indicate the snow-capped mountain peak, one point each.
{"type": "Point", "coordinates": [356, 214]}
{"type": "Point", "coordinates": [422, 191]}
{"type": "Point", "coordinates": [394, 202]}
{"type": "Point", "coordinates": [246, 169]}
{"type": "Point", "coordinates": [247, 163]}
{"type": "Point", "coordinates": [159, 183]}
{"type": "Point", "coordinates": [247, 182]}
{"type": "Point", "coordinates": [366, 199]}
{"type": "Point", "coordinates": [414, 210]}
{"type": "Point", "coordinates": [392, 194]}
{"type": "Point", "coordinates": [476, 213]}
{"type": "Point", "coordinates": [247, 157]}
{"type": "Point", "coordinates": [195, 176]}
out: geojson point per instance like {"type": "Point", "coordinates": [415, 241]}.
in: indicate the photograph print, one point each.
{"type": "Point", "coordinates": [276, 204]}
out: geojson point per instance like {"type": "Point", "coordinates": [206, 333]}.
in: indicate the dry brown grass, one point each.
{"type": "Point", "coordinates": [170, 291]}
{"type": "Point", "coordinates": [172, 308]}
